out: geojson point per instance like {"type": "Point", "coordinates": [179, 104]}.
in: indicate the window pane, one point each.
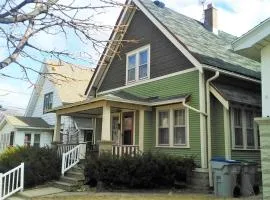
{"type": "Point", "coordinates": [179, 135]}
{"type": "Point", "coordinates": [163, 119]}
{"type": "Point", "coordinates": [237, 117]}
{"type": "Point", "coordinates": [131, 74]}
{"type": "Point", "coordinates": [238, 137]}
{"type": "Point", "coordinates": [250, 138]}
{"type": "Point", "coordinates": [143, 71]}
{"type": "Point", "coordinates": [179, 117]}
{"type": "Point", "coordinates": [143, 57]}
{"type": "Point", "coordinates": [27, 139]}
{"type": "Point", "coordinates": [249, 119]}
{"type": "Point", "coordinates": [131, 61]}
{"type": "Point", "coordinates": [163, 136]}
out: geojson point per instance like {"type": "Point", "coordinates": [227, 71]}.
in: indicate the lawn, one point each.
{"type": "Point", "coordinates": [93, 196]}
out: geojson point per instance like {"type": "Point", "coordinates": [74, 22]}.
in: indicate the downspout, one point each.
{"type": "Point", "coordinates": [209, 134]}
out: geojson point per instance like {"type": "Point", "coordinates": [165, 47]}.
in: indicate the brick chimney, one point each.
{"type": "Point", "coordinates": [211, 19]}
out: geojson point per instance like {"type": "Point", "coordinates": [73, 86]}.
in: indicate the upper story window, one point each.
{"type": "Point", "coordinates": [48, 101]}
{"type": "Point", "coordinates": [138, 64]}
{"type": "Point", "coordinates": [172, 127]}
{"type": "Point", "coordinates": [245, 132]}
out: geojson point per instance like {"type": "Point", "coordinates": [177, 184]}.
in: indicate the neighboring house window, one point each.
{"type": "Point", "coordinates": [37, 140]}
{"type": "Point", "coordinates": [244, 130]}
{"type": "Point", "coordinates": [138, 64]}
{"type": "Point", "coordinates": [27, 139]}
{"type": "Point", "coordinates": [172, 127]}
{"type": "Point", "coordinates": [11, 138]}
{"type": "Point", "coordinates": [48, 101]}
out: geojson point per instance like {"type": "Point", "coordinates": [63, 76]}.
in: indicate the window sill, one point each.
{"type": "Point", "coordinates": [238, 149]}
{"type": "Point", "coordinates": [137, 81]}
{"type": "Point", "coordinates": [173, 147]}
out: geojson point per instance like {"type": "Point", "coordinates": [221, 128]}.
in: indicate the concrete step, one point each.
{"type": "Point", "coordinates": [75, 174]}
{"type": "Point", "coordinates": [71, 180]}
{"type": "Point", "coordinates": [69, 187]}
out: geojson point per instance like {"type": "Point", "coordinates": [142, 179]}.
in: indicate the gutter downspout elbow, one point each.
{"type": "Point", "coordinates": [209, 135]}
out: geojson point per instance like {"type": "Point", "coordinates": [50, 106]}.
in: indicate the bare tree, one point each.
{"type": "Point", "coordinates": [23, 21]}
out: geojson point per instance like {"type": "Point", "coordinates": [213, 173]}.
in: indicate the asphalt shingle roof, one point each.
{"type": "Point", "coordinates": [27, 122]}
{"type": "Point", "coordinates": [207, 47]}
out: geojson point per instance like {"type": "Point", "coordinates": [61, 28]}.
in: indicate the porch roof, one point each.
{"type": "Point", "coordinates": [237, 94]}
{"type": "Point", "coordinates": [122, 97]}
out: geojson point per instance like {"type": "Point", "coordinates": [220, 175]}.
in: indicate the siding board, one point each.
{"type": "Point", "coordinates": [165, 57]}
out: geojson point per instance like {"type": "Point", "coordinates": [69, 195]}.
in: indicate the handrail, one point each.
{"type": "Point", "coordinates": [70, 158]}
{"type": "Point", "coordinates": [11, 181]}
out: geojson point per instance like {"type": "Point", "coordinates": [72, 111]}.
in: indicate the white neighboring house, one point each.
{"type": "Point", "coordinates": [64, 84]}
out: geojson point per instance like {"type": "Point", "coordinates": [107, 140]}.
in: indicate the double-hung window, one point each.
{"type": "Point", "coordinates": [138, 64]}
{"type": "Point", "coordinates": [37, 140]}
{"type": "Point", "coordinates": [244, 130]}
{"type": "Point", "coordinates": [172, 127]}
{"type": "Point", "coordinates": [27, 139]}
{"type": "Point", "coordinates": [163, 129]}
{"type": "Point", "coordinates": [48, 101]}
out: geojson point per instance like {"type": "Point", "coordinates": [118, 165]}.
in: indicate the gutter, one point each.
{"type": "Point", "coordinates": [209, 134]}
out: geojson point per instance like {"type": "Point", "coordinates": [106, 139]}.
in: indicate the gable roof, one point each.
{"type": "Point", "coordinates": [202, 47]}
{"type": "Point", "coordinates": [70, 82]}
{"type": "Point", "coordinates": [27, 122]}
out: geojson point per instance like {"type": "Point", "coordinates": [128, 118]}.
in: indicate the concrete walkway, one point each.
{"type": "Point", "coordinates": [37, 192]}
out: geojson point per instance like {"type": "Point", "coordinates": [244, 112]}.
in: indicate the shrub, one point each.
{"type": "Point", "coordinates": [41, 164]}
{"type": "Point", "coordinates": [141, 171]}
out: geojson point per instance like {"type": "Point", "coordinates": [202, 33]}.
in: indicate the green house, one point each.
{"type": "Point", "coordinates": [166, 82]}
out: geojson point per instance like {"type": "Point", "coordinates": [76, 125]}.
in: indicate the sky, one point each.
{"type": "Point", "coordinates": [234, 16]}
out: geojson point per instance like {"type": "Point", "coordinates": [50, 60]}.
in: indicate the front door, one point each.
{"type": "Point", "coordinates": [88, 136]}
{"type": "Point", "coordinates": [128, 120]}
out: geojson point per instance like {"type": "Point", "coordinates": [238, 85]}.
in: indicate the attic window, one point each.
{"type": "Point", "coordinates": [138, 65]}
{"type": "Point", "coordinates": [48, 101]}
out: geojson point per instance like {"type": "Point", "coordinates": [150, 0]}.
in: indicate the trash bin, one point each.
{"type": "Point", "coordinates": [226, 175]}
{"type": "Point", "coordinates": [249, 183]}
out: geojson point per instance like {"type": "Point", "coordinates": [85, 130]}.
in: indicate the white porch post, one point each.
{"type": "Point", "coordinates": [105, 145]}
{"type": "Point", "coordinates": [57, 128]}
{"type": "Point", "coordinates": [106, 124]}
{"type": "Point", "coordinates": [141, 130]}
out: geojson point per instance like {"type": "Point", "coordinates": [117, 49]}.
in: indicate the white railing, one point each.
{"type": "Point", "coordinates": [11, 181]}
{"type": "Point", "coordinates": [70, 158]}
{"type": "Point", "coordinates": [63, 148]}
{"type": "Point", "coordinates": [120, 150]}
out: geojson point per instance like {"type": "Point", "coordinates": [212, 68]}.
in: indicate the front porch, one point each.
{"type": "Point", "coordinates": [117, 127]}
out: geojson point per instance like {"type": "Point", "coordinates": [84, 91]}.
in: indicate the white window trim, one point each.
{"type": "Point", "coordinates": [136, 52]}
{"type": "Point", "coordinates": [244, 129]}
{"type": "Point", "coordinates": [171, 109]}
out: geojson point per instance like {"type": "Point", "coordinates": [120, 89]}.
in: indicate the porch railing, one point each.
{"type": "Point", "coordinates": [120, 150]}
{"type": "Point", "coordinates": [11, 181]}
{"type": "Point", "coordinates": [63, 148]}
{"type": "Point", "coordinates": [70, 158]}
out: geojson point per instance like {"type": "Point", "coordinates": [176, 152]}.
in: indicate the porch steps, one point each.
{"type": "Point", "coordinates": [72, 180]}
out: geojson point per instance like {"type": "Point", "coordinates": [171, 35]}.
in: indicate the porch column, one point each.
{"type": "Point", "coordinates": [264, 126]}
{"type": "Point", "coordinates": [105, 145]}
{"type": "Point", "coordinates": [141, 130]}
{"type": "Point", "coordinates": [57, 128]}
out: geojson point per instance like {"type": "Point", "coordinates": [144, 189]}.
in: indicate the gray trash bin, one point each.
{"type": "Point", "coordinates": [249, 183]}
{"type": "Point", "coordinates": [226, 174]}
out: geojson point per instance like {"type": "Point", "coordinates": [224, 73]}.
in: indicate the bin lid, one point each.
{"type": "Point", "coordinates": [221, 159]}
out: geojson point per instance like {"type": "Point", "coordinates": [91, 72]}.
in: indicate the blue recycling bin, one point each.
{"type": "Point", "coordinates": [226, 175]}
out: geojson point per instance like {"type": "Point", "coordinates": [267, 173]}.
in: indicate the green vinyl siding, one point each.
{"type": "Point", "coordinates": [217, 128]}
{"type": "Point", "coordinates": [187, 83]}
{"type": "Point", "coordinates": [249, 155]}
